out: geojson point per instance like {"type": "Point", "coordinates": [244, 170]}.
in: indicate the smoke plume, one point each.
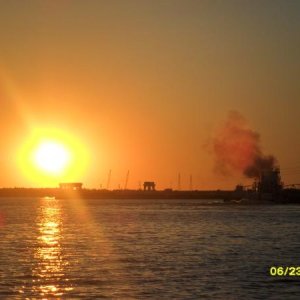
{"type": "Point", "coordinates": [237, 148]}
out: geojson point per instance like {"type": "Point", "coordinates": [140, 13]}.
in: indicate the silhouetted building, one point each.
{"type": "Point", "coordinates": [74, 186]}
{"type": "Point", "coordinates": [149, 186]}
{"type": "Point", "coordinates": [239, 188]}
{"type": "Point", "coordinates": [269, 185]}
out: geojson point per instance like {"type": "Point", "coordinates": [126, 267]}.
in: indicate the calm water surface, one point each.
{"type": "Point", "coordinates": [139, 249]}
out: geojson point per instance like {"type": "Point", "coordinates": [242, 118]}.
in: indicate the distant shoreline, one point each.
{"type": "Point", "coordinates": [230, 197]}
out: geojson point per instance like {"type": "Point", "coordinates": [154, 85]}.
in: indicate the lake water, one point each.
{"type": "Point", "coordinates": [146, 249]}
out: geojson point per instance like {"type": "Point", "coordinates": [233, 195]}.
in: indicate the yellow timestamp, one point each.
{"type": "Point", "coordinates": [285, 271]}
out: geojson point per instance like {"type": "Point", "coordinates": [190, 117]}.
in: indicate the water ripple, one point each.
{"type": "Point", "coordinates": [132, 249]}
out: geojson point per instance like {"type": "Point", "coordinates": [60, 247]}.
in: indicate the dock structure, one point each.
{"type": "Point", "coordinates": [149, 186]}
{"type": "Point", "coordinates": [74, 186]}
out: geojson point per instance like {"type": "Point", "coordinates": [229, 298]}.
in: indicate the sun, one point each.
{"type": "Point", "coordinates": [47, 156]}
{"type": "Point", "coordinates": [51, 157]}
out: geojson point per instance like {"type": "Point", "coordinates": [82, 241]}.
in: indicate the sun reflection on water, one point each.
{"type": "Point", "coordinates": [49, 271]}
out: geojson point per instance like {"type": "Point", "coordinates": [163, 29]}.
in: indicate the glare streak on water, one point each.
{"type": "Point", "coordinates": [139, 249]}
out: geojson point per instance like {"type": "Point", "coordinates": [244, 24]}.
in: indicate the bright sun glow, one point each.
{"type": "Point", "coordinates": [51, 157]}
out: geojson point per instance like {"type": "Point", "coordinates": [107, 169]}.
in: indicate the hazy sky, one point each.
{"type": "Point", "coordinates": [144, 84]}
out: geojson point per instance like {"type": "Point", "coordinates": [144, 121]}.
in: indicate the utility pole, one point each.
{"type": "Point", "coordinates": [108, 180]}
{"type": "Point", "coordinates": [179, 182]}
{"type": "Point", "coordinates": [126, 180]}
{"type": "Point", "coordinates": [191, 182]}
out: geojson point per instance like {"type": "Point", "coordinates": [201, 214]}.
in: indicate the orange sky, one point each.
{"type": "Point", "coordinates": [142, 85]}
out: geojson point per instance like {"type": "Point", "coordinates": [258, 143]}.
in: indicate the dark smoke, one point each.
{"type": "Point", "coordinates": [237, 148]}
{"type": "Point", "coordinates": [260, 163]}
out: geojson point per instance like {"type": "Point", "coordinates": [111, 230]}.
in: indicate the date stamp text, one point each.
{"type": "Point", "coordinates": [284, 271]}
